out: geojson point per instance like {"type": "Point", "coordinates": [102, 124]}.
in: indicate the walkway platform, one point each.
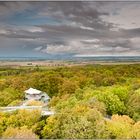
{"type": "Point", "coordinates": [44, 110]}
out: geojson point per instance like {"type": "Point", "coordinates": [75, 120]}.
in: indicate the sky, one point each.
{"type": "Point", "coordinates": [69, 29]}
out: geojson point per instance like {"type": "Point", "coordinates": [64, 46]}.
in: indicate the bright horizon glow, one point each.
{"type": "Point", "coordinates": [92, 55]}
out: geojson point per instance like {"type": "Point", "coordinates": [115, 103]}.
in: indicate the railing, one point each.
{"type": "Point", "coordinates": [44, 110]}
{"type": "Point", "coordinates": [37, 97]}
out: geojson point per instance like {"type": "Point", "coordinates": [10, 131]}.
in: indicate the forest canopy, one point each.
{"type": "Point", "coordinates": [92, 101]}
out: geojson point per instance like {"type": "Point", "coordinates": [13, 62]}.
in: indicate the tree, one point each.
{"type": "Point", "coordinates": [76, 123]}
{"type": "Point", "coordinates": [53, 85]}
{"type": "Point", "coordinates": [136, 130]}
{"type": "Point", "coordinates": [119, 127]}
{"type": "Point", "coordinates": [68, 87]}
{"type": "Point", "coordinates": [9, 95]}
{"type": "Point", "coordinates": [112, 102]}
{"type": "Point", "coordinates": [15, 103]}
{"type": "Point", "coordinates": [19, 133]}
{"type": "Point", "coordinates": [133, 105]}
{"type": "Point", "coordinates": [51, 129]}
{"type": "Point", "coordinates": [3, 125]}
{"type": "Point", "coordinates": [38, 127]}
{"type": "Point", "coordinates": [121, 92]}
{"type": "Point", "coordinates": [24, 117]}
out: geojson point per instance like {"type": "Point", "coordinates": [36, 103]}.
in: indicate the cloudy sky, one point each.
{"type": "Point", "coordinates": [69, 29]}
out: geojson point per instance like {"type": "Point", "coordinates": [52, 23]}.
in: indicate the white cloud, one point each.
{"type": "Point", "coordinates": [91, 40]}
{"type": "Point", "coordinates": [124, 15]}
{"type": "Point", "coordinates": [87, 28]}
{"type": "Point", "coordinates": [55, 49]}
{"type": "Point", "coordinates": [38, 48]}
{"type": "Point", "coordinates": [2, 31]}
{"type": "Point", "coordinates": [119, 48]}
{"type": "Point", "coordinates": [33, 29]}
{"type": "Point", "coordinates": [70, 47]}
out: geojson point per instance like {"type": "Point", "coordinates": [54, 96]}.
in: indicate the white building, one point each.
{"type": "Point", "coordinates": [34, 94]}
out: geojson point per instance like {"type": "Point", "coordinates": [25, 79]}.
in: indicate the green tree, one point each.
{"type": "Point", "coordinates": [112, 102]}
{"type": "Point", "coordinates": [121, 91]}
{"type": "Point", "coordinates": [133, 105]}
{"type": "Point", "coordinates": [9, 95]}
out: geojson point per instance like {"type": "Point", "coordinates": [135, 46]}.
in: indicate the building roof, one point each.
{"type": "Point", "coordinates": [33, 91]}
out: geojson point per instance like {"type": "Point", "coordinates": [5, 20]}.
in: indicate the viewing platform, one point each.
{"type": "Point", "coordinates": [44, 110]}
{"type": "Point", "coordinates": [32, 95]}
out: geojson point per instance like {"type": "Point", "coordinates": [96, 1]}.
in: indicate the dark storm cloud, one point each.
{"type": "Point", "coordinates": [8, 8]}
{"type": "Point", "coordinates": [70, 27]}
{"type": "Point", "coordinates": [80, 13]}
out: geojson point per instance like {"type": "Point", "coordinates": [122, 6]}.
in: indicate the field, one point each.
{"type": "Point", "coordinates": [61, 63]}
{"type": "Point", "coordinates": [90, 100]}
